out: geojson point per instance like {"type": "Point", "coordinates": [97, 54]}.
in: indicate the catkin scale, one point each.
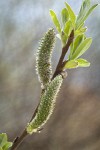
{"type": "Point", "coordinates": [43, 58]}
{"type": "Point", "coordinates": [46, 106]}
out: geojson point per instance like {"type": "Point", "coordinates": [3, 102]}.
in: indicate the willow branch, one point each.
{"type": "Point", "coordinates": [58, 70]}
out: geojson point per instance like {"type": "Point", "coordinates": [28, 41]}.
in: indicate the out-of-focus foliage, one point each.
{"type": "Point", "coordinates": [4, 144]}
{"type": "Point", "coordinates": [78, 107]}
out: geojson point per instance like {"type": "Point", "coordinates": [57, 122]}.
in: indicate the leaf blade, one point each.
{"type": "Point", "coordinates": [78, 41]}
{"type": "Point", "coordinates": [90, 11]}
{"type": "Point", "coordinates": [4, 144]}
{"type": "Point", "coordinates": [55, 20]}
{"type": "Point", "coordinates": [68, 28]}
{"type": "Point", "coordinates": [3, 139]}
{"type": "Point", "coordinates": [71, 64]}
{"type": "Point", "coordinates": [71, 13]}
{"type": "Point", "coordinates": [64, 16]}
{"type": "Point", "coordinates": [83, 10]}
{"type": "Point", "coordinates": [75, 44]}
{"type": "Point", "coordinates": [82, 48]}
{"type": "Point", "coordinates": [83, 63]}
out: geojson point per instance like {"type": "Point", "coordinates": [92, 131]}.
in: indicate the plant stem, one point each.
{"type": "Point", "coordinates": [19, 140]}
{"type": "Point", "coordinates": [64, 51]}
{"type": "Point", "coordinates": [58, 70]}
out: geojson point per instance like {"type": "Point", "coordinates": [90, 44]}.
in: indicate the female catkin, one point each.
{"type": "Point", "coordinates": [46, 106]}
{"type": "Point", "coordinates": [43, 58]}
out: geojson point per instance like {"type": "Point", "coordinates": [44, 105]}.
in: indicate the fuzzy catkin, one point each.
{"type": "Point", "coordinates": [46, 106]}
{"type": "Point", "coordinates": [43, 58]}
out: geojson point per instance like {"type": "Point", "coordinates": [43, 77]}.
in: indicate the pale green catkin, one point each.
{"type": "Point", "coordinates": [46, 106]}
{"type": "Point", "coordinates": [43, 58]}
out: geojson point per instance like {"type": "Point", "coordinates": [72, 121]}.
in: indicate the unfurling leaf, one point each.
{"type": "Point", "coordinates": [55, 20]}
{"type": "Point", "coordinates": [43, 58]}
{"type": "Point", "coordinates": [82, 48]}
{"type": "Point", "coordinates": [47, 103]}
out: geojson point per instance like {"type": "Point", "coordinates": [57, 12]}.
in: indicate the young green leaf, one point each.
{"type": "Point", "coordinates": [78, 41]}
{"type": "Point", "coordinates": [84, 12]}
{"type": "Point", "coordinates": [3, 139]}
{"type": "Point", "coordinates": [84, 7]}
{"type": "Point", "coordinates": [63, 38]}
{"type": "Point", "coordinates": [4, 144]}
{"type": "Point", "coordinates": [7, 146]}
{"type": "Point", "coordinates": [75, 44]}
{"type": "Point", "coordinates": [80, 31]}
{"type": "Point", "coordinates": [82, 48]}
{"type": "Point", "coordinates": [83, 63]}
{"type": "Point", "coordinates": [71, 50]}
{"type": "Point", "coordinates": [64, 16]}
{"type": "Point", "coordinates": [71, 14]}
{"type": "Point", "coordinates": [90, 10]}
{"type": "Point", "coordinates": [71, 64]}
{"type": "Point", "coordinates": [55, 20]}
{"type": "Point", "coordinates": [68, 28]}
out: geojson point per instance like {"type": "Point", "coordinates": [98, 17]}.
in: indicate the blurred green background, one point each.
{"type": "Point", "coordinates": [75, 123]}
